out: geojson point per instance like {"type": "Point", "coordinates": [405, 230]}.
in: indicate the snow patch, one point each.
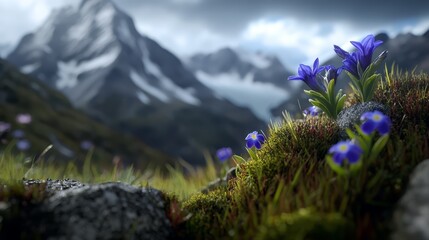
{"type": "Point", "coordinates": [143, 97]}
{"type": "Point", "coordinates": [259, 97]}
{"type": "Point", "coordinates": [30, 68]}
{"type": "Point", "coordinates": [124, 34]}
{"type": "Point", "coordinates": [78, 31]}
{"type": "Point", "coordinates": [105, 15]}
{"type": "Point", "coordinates": [185, 95]}
{"type": "Point", "coordinates": [68, 72]}
{"type": "Point", "coordinates": [145, 86]}
{"type": "Point", "coordinates": [258, 60]}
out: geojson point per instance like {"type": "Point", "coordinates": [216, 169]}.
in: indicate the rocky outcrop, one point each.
{"type": "Point", "coordinates": [102, 211]}
{"type": "Point", "coordinates": [348, 117]}
{"type": "Point", "coordinates": [411, 218]}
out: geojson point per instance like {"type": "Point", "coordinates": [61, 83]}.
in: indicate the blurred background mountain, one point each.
{"type": "Point", "coordinates": [150, 85]}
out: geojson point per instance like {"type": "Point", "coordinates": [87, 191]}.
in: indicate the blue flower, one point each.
{"type": "Point", "coordinates": [312, 111]}
{"type": "Point", "coordinates": [23, 145]}
{"type": "Point", "coordinates": [332, 73]}
{"type": "Point", "coordinates": [224, 154]}
{"type": "Point", "coordinates": [375, 121]}
{"type": "Point", "coordinates": [86, 145]}
{"type": "Point", "coordinates": [362, 56]}
{"type": "Point", "coordinates": [309, 76]}
{"type": "Point", "coordinates": [254, 139]}
{"type": "Point", "coordinates": [346, 150]}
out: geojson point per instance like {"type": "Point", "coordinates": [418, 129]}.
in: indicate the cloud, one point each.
{"type": "Point", "coordinates": [24, 16]}
{"type": "Point", "coordinates": [311, 40]}
{"type": "Point", "coordinates": [296, 30]}
{"type": "Point", "coordinates": [229, 17]}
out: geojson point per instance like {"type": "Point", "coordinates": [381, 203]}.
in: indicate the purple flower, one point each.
{"type": "Point", "coordinates": [4, 126]}
{"type": "Point", "coordinates": [224, 154]}
{"type": "Point", "coordinates": [332, 73]}
{"type": "Point", "coordinates": [311, 111]}
{"type": "Point", "coordinates": [309, 76]}
{"type": "Point", "coordinates": [254, 139]}
{"type": "Point", "coordinates": [362, 56]}
{"type": "Point", "coordinates": [375, 121]}
{"type": "Point", "coordinates": [23, 118]}
{"type": "Point", "coordinates": [18, 134]}
{"type": "Point", "coordinates": [86, 145]}
{"type": "Point", "coordinates": [23, 145]}
{"type": "Point", "coordinates": [346, 150]}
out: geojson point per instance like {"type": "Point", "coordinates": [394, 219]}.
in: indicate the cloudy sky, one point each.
{"type": "Point", "coordinates": [297, 31]}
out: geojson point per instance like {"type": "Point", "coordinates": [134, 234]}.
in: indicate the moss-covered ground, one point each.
{"type": "Point", "coordinates": [286, 190]}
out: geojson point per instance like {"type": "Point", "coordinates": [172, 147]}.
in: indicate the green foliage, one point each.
{"type": "Point", "coordinates": [330, 103]}
{"type": "Point", "coordinates": [208, 214]}
{"type": "Point", "coordinates": [53, 117]}
{"type": "Point", "coordinates": [367, 84]}
{"type": "Point", "coordinates": [407, 95]}
{"type": "Point", "coordinates": [305, 225]}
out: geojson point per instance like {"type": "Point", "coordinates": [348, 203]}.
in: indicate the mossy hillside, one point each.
{"type": "Point", "coordinates": [290, 174]}
{"type": "Point", "coordinates": [54, 119]}
{"type": "Point", "coordinates": [304, 224]}
{"type": "Point", "coordinates": [286, 191]}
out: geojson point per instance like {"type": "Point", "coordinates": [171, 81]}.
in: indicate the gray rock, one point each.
{"type": "Point", "coordinates": [411, 217]}
{"type": "Point", "coordinates": [102, 211]}
{"type": "Point", "coordinates": [348, 117]}
{"type": "Point", "coordinates": [53, 186]}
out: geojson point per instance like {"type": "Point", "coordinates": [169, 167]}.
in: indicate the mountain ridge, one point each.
{"type": "Point", "coordinates": [129, 81]}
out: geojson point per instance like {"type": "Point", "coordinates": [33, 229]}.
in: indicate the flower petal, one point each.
{"type": "Point", "coordinates": [384, 126]}
{"type": "Point", "coordinates": [296, 77]}
{"type": "Point", "coordinates": [261, 138]}
{"type": "Point", "coordinates": [368, 127]}
{"type": "Point", "coordinates": [358, 45]}
{"type": "Point", "coordinates": [250, 143]}
{"type": "Point", "coordinates": [316, 64]}
{"type": "Point", "coordinates": [257, 145]}
{"type": "Point", "coordinates": [304, 70]}
{"type": "Point", "coordinates": [365, 116]}
{"type": "Point", "coordinates": [338, 158]}
{"type": "Point", "coordinates": [340, 52]}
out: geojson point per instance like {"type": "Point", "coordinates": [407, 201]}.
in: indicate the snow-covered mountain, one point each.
{"type": "Point", "coordinates": [94, 54]}
{"type": "Point", "coordinates": [247, 79]}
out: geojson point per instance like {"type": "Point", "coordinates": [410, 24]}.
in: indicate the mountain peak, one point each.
{"type": "Point", "coordinates": [382, 36]}
{"type": "Point", "coordinates": [95, 4]}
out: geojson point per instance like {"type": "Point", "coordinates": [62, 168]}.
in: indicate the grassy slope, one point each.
{"type": "Point", "coordinates": [53, 115]}
{"type": "Point", "coordinates": [287, 191]}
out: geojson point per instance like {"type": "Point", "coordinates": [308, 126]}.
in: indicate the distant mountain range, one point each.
{"type": "Point", "coordinates": [56, 122]}
{"type": "Point", "coordinates": [250, 80]}
{"type": "Point", "coordinates": [95, 56]}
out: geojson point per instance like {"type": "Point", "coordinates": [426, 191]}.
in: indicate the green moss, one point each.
{"type": "Point", "coordinates": [208, 212]}
{"type": "Point", "coordinates": [290, 173]}
{"type": "Point", "coordinates": [305, 224]}
{"type": "Point", "coordinates": [292, 146]}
